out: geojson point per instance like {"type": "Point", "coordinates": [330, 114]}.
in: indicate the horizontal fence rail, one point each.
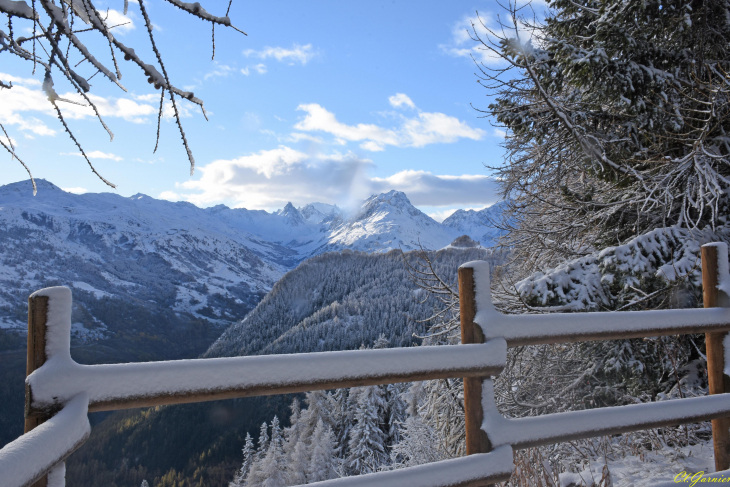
{"type": "Point", "coordinates": [33, 455]}
{"type": "Point", "coordinates": [471, 471]}
{"type": "Point", "coordinates": [547, 429]}
{"type": "Point", "coordinates": [519, 330]}
{"type": "Point", "coordinates": [57, 384]}
{"type": "Point", "coordinates": [120, 386]}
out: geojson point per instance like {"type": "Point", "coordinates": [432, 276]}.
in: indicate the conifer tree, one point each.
{"type": "Point", "coordinates": [616, 119]}
{"type": "Point", "coordinates": [263, 440]}
{"type": "Point", "coordinates": [298, 462]}
{"type": "Point", "coordinates": [323, 463]}
{"type": "Point", "coordinates": [248, 457]}
{"type": "Point", "coordinates": [273, 466]}
{"type": "Point", "coordinates": [367, 439]}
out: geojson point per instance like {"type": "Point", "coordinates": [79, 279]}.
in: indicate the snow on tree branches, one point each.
{"type": "Point", "coordinates": [53, 26]}
{"type": "Point", "coordinates": [617, 121]}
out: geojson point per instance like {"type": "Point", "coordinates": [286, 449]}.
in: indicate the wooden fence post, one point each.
{"type": "Point", "coordinates": [476, 439]}
{"type": "Point", "coordinates": [719, 383]}
{"type": "Point", "coordinates": [37, 316]}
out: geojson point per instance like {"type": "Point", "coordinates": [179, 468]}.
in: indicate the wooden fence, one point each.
{"type": "Point", "coordinates": [60, 392]}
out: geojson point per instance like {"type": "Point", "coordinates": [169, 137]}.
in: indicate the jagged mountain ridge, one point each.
{"type": "Point", "coordinates": [203, 261]}
{"type": "Point", "coordinates": [480, 225]}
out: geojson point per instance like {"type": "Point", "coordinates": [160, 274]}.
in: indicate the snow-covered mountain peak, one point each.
{"type": "Point", "coordinates": [478, 224]}
{"type": "Point", "coordinates": [319, 212]}
{"type": "Point", "coordinates": [391, 202]}
{"type": "Point", "coordinates": [291, 215]}
{"type": "Point", "coordinates": [397, 199]}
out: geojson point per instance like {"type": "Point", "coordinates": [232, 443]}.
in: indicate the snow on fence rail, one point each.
{"type": "Point", "coordinates": [57, 384]}
{"type": "Point", "coordinates": [120, 386]}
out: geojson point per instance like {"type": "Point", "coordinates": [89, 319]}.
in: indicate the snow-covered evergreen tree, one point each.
{"type": "Point", "coordinates": [419, 443]}
{"type": "Point", "coordinates": [323, 463]}
{"type": "Point", "coordinates": [319, 407]}
{"type": "Point", "coordinates": [273, 465]}
{"type": "Point", "coordinates": [248, 457]}
{"type": "Point", "coordinates": [367, 440]}
{"type": "Point", "coordinates": [263, 441]}
{"type": "Point", "coordinates": [292, 432]}
{"type": "Point", "coordinates": [298, 463]}
{"type": "Point", "coordinates": [616, 115]}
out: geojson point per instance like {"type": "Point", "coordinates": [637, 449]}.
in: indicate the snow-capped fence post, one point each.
{"type": "Point", "coordinates": [714, 272]}
{"type": "Point", "coordinates": [476, 438]}
{"type": "Point", "coordinates": [37, 318]}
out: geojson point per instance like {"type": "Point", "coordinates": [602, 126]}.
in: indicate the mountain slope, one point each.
{"type": "Point", "coordinates": [389, 221]}
{"type": "Point", "coordinates": [134, 248]}
{"type": "Point", "coordinates": [479, 225]}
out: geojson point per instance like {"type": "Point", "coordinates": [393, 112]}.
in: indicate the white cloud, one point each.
{"type": "Point", "coordinates": [372, 146]}
{"type": "Point", "coordinates": [76, 190]}
{"type": "Point", "coordinates": [259, 68]}
{"type": "Point", "coordinates": [440, 216]}
{"type": "Point", "coordinates": [220, 71]}
{"type": "Point", "coordinates": [270, 178]}
{"type": "Point", "coordinates": [148, 97]}
{"type": "Point", "coordinates": [123, 22]}
{"type": "Point", "coordinates": [423, 129]}
{"type": "Point", "coordinates": [400, 99]}
{"type": "Point", "coordinates": [427, 189]}
{"type": "Point", "coordinates": [297, 54]}
{"type": "Point", "coordinates": [500, 133]}
{"type": "Point", "coordinates": [26, 96]}
{"type": "Point", "coordinates": [462, 43]}
{"type": "Point", "coordinates": [96, 155]}
{"type": "Point", "coordinates": [471, 27]}
{"type": "Point", "coordinates": [170, 196]}
{"type": "Point", "coordinates": [298, 136]}
{"type": "Point", "coordinates": [9, 142]}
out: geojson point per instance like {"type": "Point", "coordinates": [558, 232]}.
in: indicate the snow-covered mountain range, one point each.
{"type": "Point", "coordinates": [213, 263]}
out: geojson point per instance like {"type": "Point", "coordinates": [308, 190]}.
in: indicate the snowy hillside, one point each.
{"type": "Point", "coordinates": [338, 301]}
{"type": "Point", "coordinates": [479, 225]}
{"type": "Point", "coordinates": [135, 248]}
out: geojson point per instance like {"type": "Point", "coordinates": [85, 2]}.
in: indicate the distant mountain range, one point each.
{"type": "Point", "coordinates": [158, 280]}
{"type": "Point", "coordinates": [213, 263]}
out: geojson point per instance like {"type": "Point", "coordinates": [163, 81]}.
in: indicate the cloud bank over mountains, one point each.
{"type": "Point", "coordinates": [270, 178]}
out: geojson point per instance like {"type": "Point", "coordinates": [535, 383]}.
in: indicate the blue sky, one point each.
{"type": "Point", "coordinates": [323, 101]}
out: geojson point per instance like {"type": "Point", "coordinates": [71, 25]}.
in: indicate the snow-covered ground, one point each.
{"type": "Point", "coordinates": [648, 469]}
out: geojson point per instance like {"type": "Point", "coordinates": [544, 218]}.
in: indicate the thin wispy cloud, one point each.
{"type": "Point", "coordinates": [400, 99]}
{"type": "Point", "coordinates": [423, 129]}
{"type": "Point", "coordinates": [463, 41]}
{"type": "Point", "coordinates": [96, 155]}
{"type": "Point", "coordinates": [19, 105]}
{"type": "Point", "coordinates": [220, 71]}
{"type": "Point", "coordinates": [466, 32]}
{"type": "Point", "coordinates": [118, 22]}
{"type": "Point", "coordinates": [297, 54]}
{"type": "Point", "coordinates": [427, 189]}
